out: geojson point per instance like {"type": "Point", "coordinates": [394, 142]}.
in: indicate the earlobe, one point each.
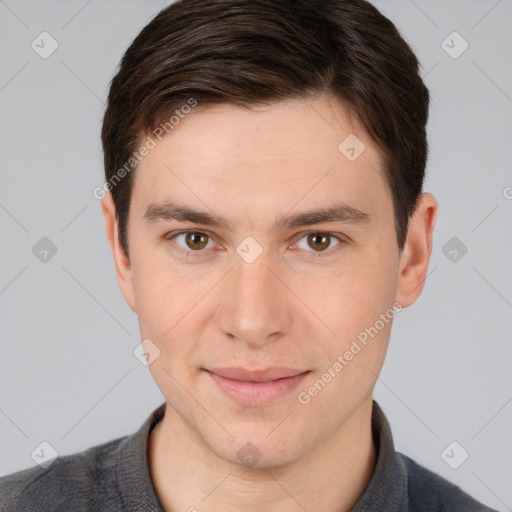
{"type": "Point", "coordinates": [416, 253]}
{"type": "Point", "coordinates": [122, 265]}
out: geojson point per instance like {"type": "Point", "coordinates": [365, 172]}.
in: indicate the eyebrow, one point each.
{"type": "Point", "coordinates": [340, 212]}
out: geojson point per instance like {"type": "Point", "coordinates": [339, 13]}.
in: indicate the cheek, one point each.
{"type": "Point", "coordinates": [353, 297]}
{"type": "Point", "coordinates": [166, 296]}
{"type": "Point", "coordinates": [358, 306]}
{"type": "Point", "coordinates": [168, 316]}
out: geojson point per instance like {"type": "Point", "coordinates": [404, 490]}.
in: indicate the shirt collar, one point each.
{"type": "Point", "coordinates": [387, 487]}
{"type": "Point", "coordinates": [133, 475]}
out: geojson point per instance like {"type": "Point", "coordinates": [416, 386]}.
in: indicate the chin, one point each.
{"type": "Point", "coordinates": [259, 451]}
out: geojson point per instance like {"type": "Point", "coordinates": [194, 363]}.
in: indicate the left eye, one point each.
{"type": "Point", "coordinates": [319, 241]}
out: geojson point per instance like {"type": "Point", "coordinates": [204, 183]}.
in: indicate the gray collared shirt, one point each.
{"type": "Point", "coordinates": [114, 476]}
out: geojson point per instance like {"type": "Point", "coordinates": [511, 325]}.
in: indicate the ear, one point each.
{"type": "Point", "coordinates": [416, 253]}
{"type": "Point", "coordinates": [121, 263]}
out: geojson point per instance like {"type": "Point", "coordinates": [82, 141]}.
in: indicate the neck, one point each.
{"type": "Point", "coordinates": [187, 475]}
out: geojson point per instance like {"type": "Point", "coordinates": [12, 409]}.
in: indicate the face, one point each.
{"type": "Point", "coordinates": [254, 283]}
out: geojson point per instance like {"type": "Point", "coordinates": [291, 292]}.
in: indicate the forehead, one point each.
{"type": "Point", "coordinates": [238, 161]}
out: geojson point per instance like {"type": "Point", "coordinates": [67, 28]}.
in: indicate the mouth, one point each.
{"type": "Point", "coordinates": [257, 388]}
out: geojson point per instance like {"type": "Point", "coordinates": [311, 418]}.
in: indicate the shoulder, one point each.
{"type": "Point", "coordinates": [428, 491]}
{"type": "Point", "coordinates": [72, 482]}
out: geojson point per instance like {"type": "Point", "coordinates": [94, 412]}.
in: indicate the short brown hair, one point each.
{"type": "Point", "coordinates": [251, 52]}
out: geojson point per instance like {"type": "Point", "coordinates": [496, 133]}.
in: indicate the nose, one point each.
{"type": "Point", "coordinates": [256, 307]}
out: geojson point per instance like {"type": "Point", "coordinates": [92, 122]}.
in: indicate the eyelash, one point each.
{"type": "Point", "coordinates": [342, 241]}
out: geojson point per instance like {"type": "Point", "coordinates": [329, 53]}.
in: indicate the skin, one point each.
{"type": "Point", "coordinates": [288, 308]}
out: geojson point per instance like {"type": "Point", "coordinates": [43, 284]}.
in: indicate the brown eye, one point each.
{"type": "Point", "coordinates": [319, 241]}
{"type": "Point", "coordinates": [191, 241]}
{"type": "Point", "coordinates": [195, 240]}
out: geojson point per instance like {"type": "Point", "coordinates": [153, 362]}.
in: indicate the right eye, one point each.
{"type": "Point", "coordinates": [193, 241]}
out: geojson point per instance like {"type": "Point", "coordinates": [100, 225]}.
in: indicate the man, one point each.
{"type": "Point", "coordinates": [263, 201]}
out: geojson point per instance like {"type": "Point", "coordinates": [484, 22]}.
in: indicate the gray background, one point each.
{"type": "Point", "coordinates": [67, 369]}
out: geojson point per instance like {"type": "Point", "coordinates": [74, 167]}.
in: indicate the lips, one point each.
{"type": "Point", "coordinates": [256, 375]}
{"type": "Point", "coordinates": [256, 388]}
